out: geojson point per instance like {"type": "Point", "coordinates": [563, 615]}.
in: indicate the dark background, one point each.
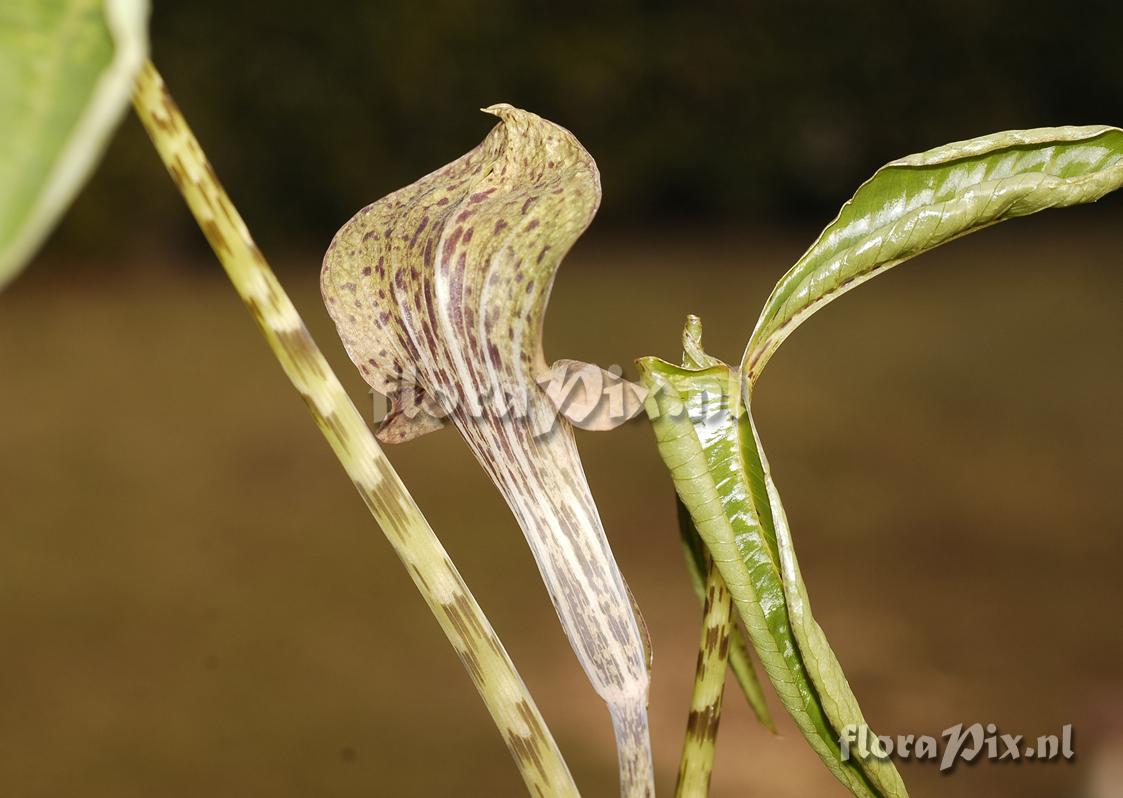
{"type": "Point", "coordinates": [194, 602]}
{"type": "Point", "coordinates": [711, 113]}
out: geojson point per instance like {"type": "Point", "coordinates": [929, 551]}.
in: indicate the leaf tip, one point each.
{"type": "Point", "coordinates": [693, 354]}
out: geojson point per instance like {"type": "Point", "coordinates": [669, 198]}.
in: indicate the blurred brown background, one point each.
{"type": "Point", "coordinates": [194, 602]}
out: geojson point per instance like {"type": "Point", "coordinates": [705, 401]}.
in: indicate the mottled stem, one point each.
{"type": "Point", "coordinates": [436, 578]}
{"type": "Point", "coordinates": [633, 744]}
{"type": "Point", "coordinates": [698, 748]}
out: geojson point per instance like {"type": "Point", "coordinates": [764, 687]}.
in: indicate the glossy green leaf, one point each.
{"type": "Point", "coordinates": [740, 660]}
{"type": "Point", "coordinates": [66, 73]}
{"type": "Point", "coordinates": [702, 412]}
{"type": "Point", "coordinates": [916, 203]}
{"type": "Point", "coordinates": [741, 663]}
{"type": "Point", "coordinates": [706, 436]}
{"type": "Point", "coordinates": [439, 293]}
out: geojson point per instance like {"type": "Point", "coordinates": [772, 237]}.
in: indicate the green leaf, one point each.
{"type": "Point", "coordinates": [439, 292]}
{"type": "Point", "coordinates": [695, 357]}
{"type": "Point", "coordinates": [702, 412]}
{"type": "Point", "coordinates": [740, 661]}
{"type": "Point", "coordinates": [706, 436]}
{"type": "Point", "coordinates": [919, 202]}
{"type": "Point", "coordinates": [66, 73]}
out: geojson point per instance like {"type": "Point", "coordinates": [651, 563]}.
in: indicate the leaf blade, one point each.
{"type": "Point", "coordinates": [66, 75]}
{"type": "Point", "coordinates": [838, 700]}
{"type": "Point", "coordinates": [919, 202]}
{"type": "Point", "coordinates": [705, 437]}
{"type": "Point", "coordinates": [740, 661]}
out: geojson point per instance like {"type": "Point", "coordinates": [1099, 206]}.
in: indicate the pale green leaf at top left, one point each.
{"type": "Point", "coordinates": [66, 75]}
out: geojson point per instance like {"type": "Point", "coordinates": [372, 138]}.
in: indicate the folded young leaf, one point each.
{"type": "Point", "coordinates": [694, 357]}
{"type": "Point", "coordinates": [706, 437]}
{"type": "Point", "coordinates": [438, 292]}
{"type": "Point", "coordinates": [66, 75]}
{"type": "Point", "coordinates": [919, 202]}
{"type": "Point", "coordinates": [740, 661]}
{"type": "Point", "coordinates": [702, 414]}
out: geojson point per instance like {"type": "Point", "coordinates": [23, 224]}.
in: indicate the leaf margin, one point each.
{"type": "Point", "coordinates": [127, 23]}
{"type": "Point", "coordinates": [768, 333]}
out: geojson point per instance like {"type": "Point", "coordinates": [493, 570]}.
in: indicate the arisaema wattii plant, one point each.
{"type": "Point", "coordinates": [701, 410]}
{"type": "Point", "coordinates": [38, 43]}
{"type": "Point", "coordinates": [439, 292]}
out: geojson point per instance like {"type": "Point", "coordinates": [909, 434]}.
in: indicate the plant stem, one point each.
{"type": "Point", "coordinates": [709, 684]}
{"type": "Point", "coordinates": [437, 579]}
